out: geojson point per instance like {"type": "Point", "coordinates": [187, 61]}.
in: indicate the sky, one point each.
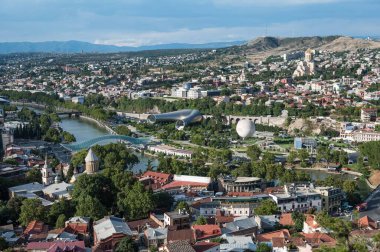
{"type": "Point", "coordinates": [150, 22]}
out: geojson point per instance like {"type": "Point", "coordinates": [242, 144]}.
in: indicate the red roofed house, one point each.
{"type": "Point", "coordinates": [206, 247]}
{"type": "Point", "coordinates": [367, 223]}
{"type": "Point", "coordinates": [181, 182]}
{"type": "Point", "coordinates": [203, 232]}
{"type": "Point", "coordinates": [286, 219]}
{"type": "Point", "coordinates": [79, 226]}
{"type": "Point", "coordinates": [35, 227]}
{"type": "Point", "coordinates": [158, 177]}
{"type": "Point", "coordinates": [310, 225]}
{"type": "Point", "coordinates": [155, 180]}
{"type": "Point", "coordinates": [318, 239]}
{"type": "Point", "coordinates": [267, 237]}
{"type": "Point", "coordinates": [57, 246]}
{"type": "Point", "coordinates": [108, 232]}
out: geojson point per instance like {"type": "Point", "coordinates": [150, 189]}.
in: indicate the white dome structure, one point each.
{"type": "Point", "coordinates": [245, 128]}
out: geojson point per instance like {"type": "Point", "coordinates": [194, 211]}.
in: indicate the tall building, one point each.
{"type": "Point", "coordinates": [47, 174]}
{"type": "Point", "coordinates": [92, 162]}
{"type": "Point", "coordinates": [309, 55]}
{"type": "Point", "coordinates": [368, 114]}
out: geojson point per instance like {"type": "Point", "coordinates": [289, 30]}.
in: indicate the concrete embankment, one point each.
{"type": "Point", "coordinates": [100, 124]}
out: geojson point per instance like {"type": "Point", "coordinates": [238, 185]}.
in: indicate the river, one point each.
{"type": "Point", "coordinates": [84, 130]}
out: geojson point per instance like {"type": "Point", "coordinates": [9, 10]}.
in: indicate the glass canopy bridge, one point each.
{"type": "Point", "coordinates": [105, 139]}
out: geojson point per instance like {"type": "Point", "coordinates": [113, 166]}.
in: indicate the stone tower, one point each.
{"type": "Point", "coordinates": [309, 56]}
{"type": "Point", "coordinates": [92, 162]}
{"type": "Point", "coordinates": [47, 174]}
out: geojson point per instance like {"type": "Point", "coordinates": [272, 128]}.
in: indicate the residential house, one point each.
{"type": "Point", "coordinates": [56, 246]}
{"type": "Point", "coordinates": [177, 219]}
{"type": "Point", "coordinates": [310, 225]}
{"type": "Point", "coordinates": [206, 247]}
{"type": "Point", "coordinates": [179, 246]}
{"type": "Point", "coordinates": [108, 232]}
{"type": "Point", "coordinates": [156, 236]}
{"type": "Point", "coordinates": [241, 226]}
{"type": "Point", "coordinates": [203, 232]}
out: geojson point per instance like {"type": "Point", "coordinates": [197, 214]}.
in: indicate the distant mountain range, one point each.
{"type": "Point", "coordinates": [80, 46]}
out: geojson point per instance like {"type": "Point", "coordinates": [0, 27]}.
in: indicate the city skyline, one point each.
{"type": "Point", "coordinates": [144, 22]}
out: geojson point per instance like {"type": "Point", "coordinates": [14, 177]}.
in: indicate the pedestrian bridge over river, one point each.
{"type": "Point", "coordinates": [105, 139]}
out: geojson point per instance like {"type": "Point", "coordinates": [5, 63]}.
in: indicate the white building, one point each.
{"type": "Point", "coordinates": [179, 92]}
{"type": "Point", "coordinates": [78, 99]}
{"type": "Point", "coordinates": [47, 174]}
{"type": "Point", "coordinates": [297, 198]}
{"type": "Point", "coordinates": [171, 151]}
{"type": "Point", "coordinates": [194, 93]}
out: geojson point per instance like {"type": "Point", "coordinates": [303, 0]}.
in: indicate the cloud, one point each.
{"type": "Point", "coordinates": [312, 27]}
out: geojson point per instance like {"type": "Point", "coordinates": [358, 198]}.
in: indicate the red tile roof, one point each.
{"type": "Point", "coordinates": [157, 176]}
{"type": "Point", "coordinates": [35, 227]}
{"type": "Point", "coordinates": [77, 228]}
{"type": "Point", "coordinates": [317, 239]}
{"type": "Point", "coordinates": [204, 246]}
{"type": "Point", "coordinates": [286, 219]}
{"type": "Point", "coordinates": [367, 222]}
{"type": "Point", "coordinates": [267, 237]}
{"type": "Point", "coordinates": [179, 184]}
{"type": "Point", "coordinates": [55, 246]}
{"type": "Point", "coordinates": [206, 231]}
{"type": "Point", "coordinates": [180, 235]}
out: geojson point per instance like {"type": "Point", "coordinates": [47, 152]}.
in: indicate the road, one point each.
{"type": "Point", "coordinates": [373, 205]}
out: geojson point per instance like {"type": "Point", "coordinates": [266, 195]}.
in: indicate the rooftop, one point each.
{"type": "Point", "coordinates": [91, 157]}
{"type": "Point", "coordinates": [110, 225]}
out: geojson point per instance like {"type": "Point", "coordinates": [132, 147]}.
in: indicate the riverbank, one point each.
{"type": "Point", "coordinates": [100, 124]}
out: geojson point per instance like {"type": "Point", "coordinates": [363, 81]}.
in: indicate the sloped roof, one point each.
{"type": "Point", "coordinates": [110, 225]}
{"type": "Point", "coordinates": [55, 246]}
{"type": "Point", "coordinates": [240, 224]}
{"type": "Point", "coordinates": [267, 237]}
{"type": "Point", "coordinates": [286, 219]}
{"type": "Point", "coordinates": [91, 157]}
{"type": "Point", "coordinates": [367, 222]}
{"type": "Point", "coordinates": [206, 231]}
{"type": "Point", "coordinates": [182, 246]}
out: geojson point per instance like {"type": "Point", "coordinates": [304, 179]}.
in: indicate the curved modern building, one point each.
{"type": "Point", "coordinates": [181, 117]}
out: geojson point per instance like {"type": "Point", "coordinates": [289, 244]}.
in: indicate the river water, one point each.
{"type": "Point", "coordinates": [84, 130]}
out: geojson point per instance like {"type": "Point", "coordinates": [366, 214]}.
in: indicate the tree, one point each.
{"type": "Point", "coordinates": [31, 209]}
{"type": "Point", "coordinates": [96, 186]}
{"type": "Point", "coordinates": [298, 219]}
{"type": "Point", "coordinates": [3, 244]}
{"type": "Point", "coordinates": [14, 205]}
{"type": "Point", "coordinates": [163, 200]}
{"type": "Point", "coordinates": [349, 186]}
{"type": "Point", "coordinates": [182, 205]}
{"type": "Point", "coordinates": [201, 220]}
{"type": "Point", "coordinates": [153, 248]}
{"type": "Point", "coordinates": [91, 207]}
{"type": "Point", "coordinates": [63, 206]}
{"type": "Point", "coordinates": [126, 245]}
{"type": "Point", "coordinates": [34, 175]}
{"type": "Point", "coordinates": [291, 157]}
{"type": "Point", "coordinates": [68, 137]}
{"type": "Point", "coordinates": [253, 152]}
{"type": "Point", "coordinates": [52, 135]}
{"type": "Point", "coordinates": [60, 223]}
{"type": "Point", "coordinates": [263, 247]}
{"type": "Point", "coordinates": [123, 130]}
{"type": "Point", "coordinates": [138, 202]}
{"type": "Point", "coordinates": [266, 207]}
